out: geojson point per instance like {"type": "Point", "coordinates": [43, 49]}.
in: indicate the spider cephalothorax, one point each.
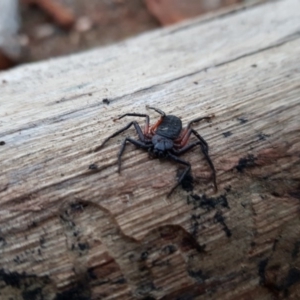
{"type": "Point", "coordinates": [165, 139]}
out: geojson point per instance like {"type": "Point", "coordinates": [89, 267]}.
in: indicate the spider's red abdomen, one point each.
{"type": "Point", "coordinates": [170, 127]}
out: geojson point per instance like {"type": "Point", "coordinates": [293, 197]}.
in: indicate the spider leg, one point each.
{"type": "Point", "coordinates": [197, 120]}
{"type": "Point", "coordinates": [186, 171]}
{"type": "Point", "coordinates": [154, 127]}
{"type": "Point", "coordinates": [134, 142]}
{"type": "Point", "coordinates": [146, 129]}
{"type": "Point", "coordinates": [204, 148]}
{"type": "Point", "coordinates": [137, 128]}
{"type": "Point", "coordinates": [157, 110]}
{"type": "Point", "coordinates": [203, 142]}
{"type": "Point", "coordinates": [182, 141]}
{"type": "Point", "coordinates": [185, 134]}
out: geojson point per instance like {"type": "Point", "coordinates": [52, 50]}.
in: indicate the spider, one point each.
{"type": "Point", "coordinates": [165, 139]}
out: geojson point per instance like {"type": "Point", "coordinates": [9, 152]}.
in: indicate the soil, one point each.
{"type": "Point", "coordinates": [98, 23]}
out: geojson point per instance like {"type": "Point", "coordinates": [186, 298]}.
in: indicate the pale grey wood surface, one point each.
{"type": "Point", "coordinates": [111, 236]}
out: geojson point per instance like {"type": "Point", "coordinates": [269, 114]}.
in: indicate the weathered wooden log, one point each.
{"type": "Point", "coordinates": [68, 231]}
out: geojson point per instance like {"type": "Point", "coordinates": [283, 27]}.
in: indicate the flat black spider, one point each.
{"type": "Point", "coordinates": [165, 139]}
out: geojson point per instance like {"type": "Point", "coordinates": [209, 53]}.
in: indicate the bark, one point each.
{"type": "Point", "coordinates": [68, 231]}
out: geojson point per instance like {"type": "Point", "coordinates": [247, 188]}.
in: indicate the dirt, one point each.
{"type": "Point", "coordinates": [98, 23]}
{"type": "Point", "coordinates": [95, 23]}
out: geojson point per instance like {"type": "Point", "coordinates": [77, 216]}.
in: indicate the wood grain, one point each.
{"type": "Point", "coordinates": [68, 231]}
